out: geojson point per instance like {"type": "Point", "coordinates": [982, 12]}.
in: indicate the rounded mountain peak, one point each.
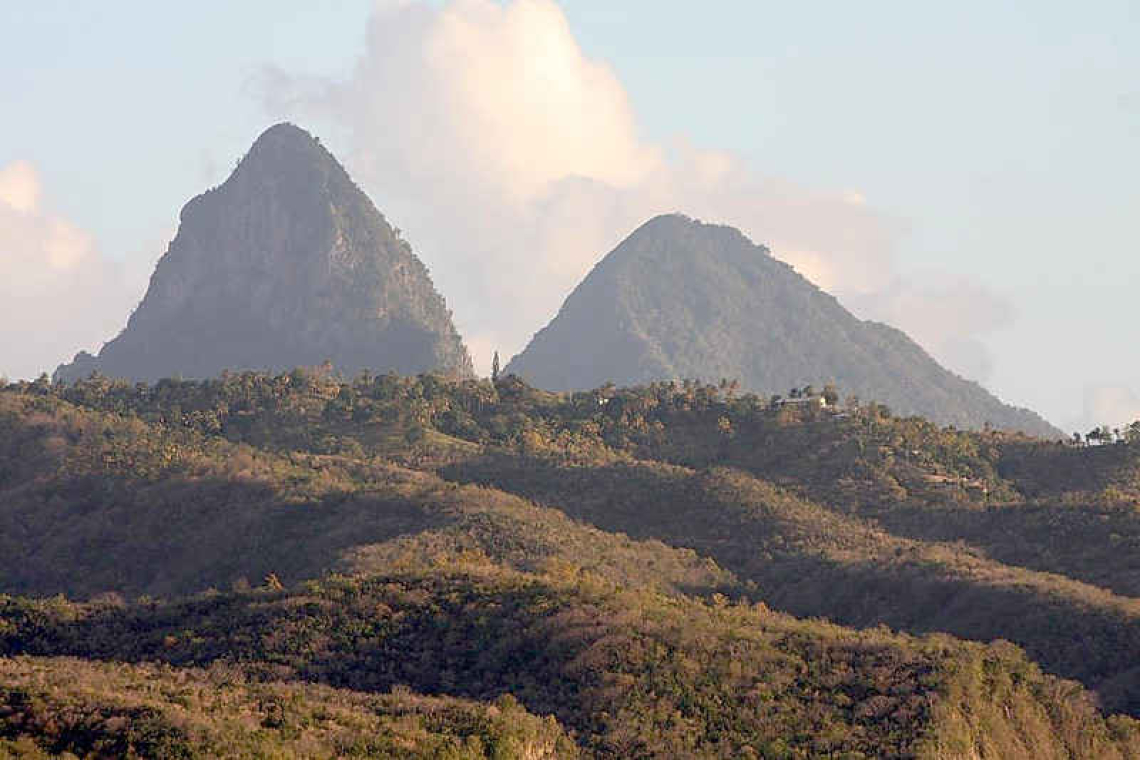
{"type": "Point", "coordinates": [668, 241]}
{"type": "Point", "coordinates": [677, 229]}
{"type": "Point", "coordinates": [285, 135]}
{"type": "Point", "coordinates": [666, 224]}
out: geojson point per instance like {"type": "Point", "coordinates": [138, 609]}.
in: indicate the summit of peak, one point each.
{"type": "Point", "coordinates": [284, 145]}
{"type": "Point", "coordinates": [284, 133]}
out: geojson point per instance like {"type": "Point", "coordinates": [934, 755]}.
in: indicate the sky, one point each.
{"type": "Point", "coordinates": [965, 171]}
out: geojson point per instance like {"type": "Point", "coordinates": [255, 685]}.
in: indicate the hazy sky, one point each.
{"type": "Point", "coordinates": [967, 171]}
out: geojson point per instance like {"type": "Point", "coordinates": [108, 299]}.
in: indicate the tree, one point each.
{"type": "Point", "coordinates": [1132, 432]}
{"type": "Point", "coordinates": [495, 368]}
{"type": "Point", "coordinates": [831, 394]}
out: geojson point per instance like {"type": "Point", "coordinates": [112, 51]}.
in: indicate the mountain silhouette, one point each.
{"type": "Point", "coordinates": [681, 299]}
{"type": "Point", "coordinates": [287, 263]}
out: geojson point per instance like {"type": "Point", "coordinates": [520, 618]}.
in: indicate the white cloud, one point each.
{"type": "Point", "coordinates": [513, 162]}
{"type": "Point", "coordinates": [19, 186]}
{"type": "Point", "coordinates": [57, 294]}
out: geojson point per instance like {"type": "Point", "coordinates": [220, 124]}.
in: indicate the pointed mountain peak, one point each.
{"type": "Point", "coordinates": [284, 144]}
{"type": "Point", "coordinates": [290, 157]}
{"type": "Point", "coordinates": [287, 263]}
{"type": "Point", "coordinates": [681, 299]}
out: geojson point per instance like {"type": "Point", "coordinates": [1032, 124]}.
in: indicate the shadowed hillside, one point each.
{"type": "Point", "coordinates": [629, 673]}
{"type": "Point", "coordinates": [52, 706]}
{"type": "Point", "coordinates": [94, 502]}
{"type": "Point", "coordinates": [611, 558]}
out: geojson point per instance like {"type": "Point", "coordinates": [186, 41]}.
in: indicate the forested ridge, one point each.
{"type": "Point", "coordinates": [423, 566]}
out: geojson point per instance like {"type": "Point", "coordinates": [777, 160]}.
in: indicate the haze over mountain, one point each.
{"type": "Point", "coordinates": [682, 299]}
{"type": "Point", "coordinates": [288, 263]}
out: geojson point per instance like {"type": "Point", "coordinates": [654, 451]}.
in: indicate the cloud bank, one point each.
{"type": "Point", "coordinates": [57, 294]}
{"type": "Point", "coordinates": [513, 162]}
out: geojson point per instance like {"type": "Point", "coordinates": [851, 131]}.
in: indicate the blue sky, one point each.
{"type": "Point", "coordinates": [991, 148]}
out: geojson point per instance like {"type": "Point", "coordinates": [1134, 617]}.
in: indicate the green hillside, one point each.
{"type": "Point", "coordinates": [57, 705]}
{"type": "Point", "coordinates": [628, 672]}
{"type": "Point", "coordinates": [626, 561]}
{"type": "Point", "coordinates": [96, 502]}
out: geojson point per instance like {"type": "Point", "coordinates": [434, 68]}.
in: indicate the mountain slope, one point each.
{"type": "Point", "coordinates": [75, 708]}
{"type": "Point", "coordinates": [681, 299]}
{"type": "Point", "coordinates": [656, 641]}
{"type": "Point", "coordinates": [628, 673]}
{"type": "Point", "coordinates": [285, 264]}
{"type": "Point", "coordinates": [94, 502]}
{"type": "Point", "coordinates": [811, 562]}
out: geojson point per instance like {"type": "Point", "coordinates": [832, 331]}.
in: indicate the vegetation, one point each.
{"type": "Point", "coordinates": [630, 673]}
{"type": "Point", "coordinates": [95, 502]}
{"type": "Point", "coordinates": [810, 561]}
{"type": "Point", "coordinates": [51, 706]}
{"type": "Point", "coordinates": [415, 550]}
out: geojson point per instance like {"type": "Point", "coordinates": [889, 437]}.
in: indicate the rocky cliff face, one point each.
{"type": "Point", "coordinates": [286, 264]}
{"type": "Point", "coordinates": [680, 299]}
